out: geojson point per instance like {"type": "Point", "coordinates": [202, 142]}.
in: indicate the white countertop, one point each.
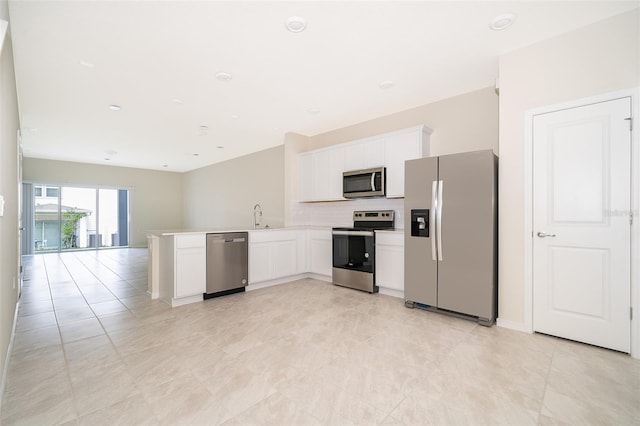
{"type": "Point", "coordinates": [168, 232]}
{"type": "Point", "coordinates": [390, 231]}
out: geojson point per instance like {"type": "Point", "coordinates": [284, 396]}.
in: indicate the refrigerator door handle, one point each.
{"type": "Point", "coordinates": [439, 220]}
{"type": "Point", "coordinates": [432, 219]}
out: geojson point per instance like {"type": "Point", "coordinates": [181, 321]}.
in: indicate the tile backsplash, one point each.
{"type": "Point", "coordinates": [340, 213]}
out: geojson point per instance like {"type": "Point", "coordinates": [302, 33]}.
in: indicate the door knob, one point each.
{"type": "Point", "coordinates": [544, 235]}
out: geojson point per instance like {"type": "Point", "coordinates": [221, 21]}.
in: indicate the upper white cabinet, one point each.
{"type": "Point", "coordinates": [373, 152]}
{"type": "Point", "coordinates": [398, 148]}
{"type": "Point", "coordinates": [321, 170]}
{"type": "Point", "coordinates": [321, 174]}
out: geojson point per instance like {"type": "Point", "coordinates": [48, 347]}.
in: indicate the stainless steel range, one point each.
{"type": "Point", "coordinates": [354, 250]}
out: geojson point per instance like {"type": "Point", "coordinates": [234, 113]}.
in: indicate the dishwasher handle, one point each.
{"type": "Point", "coordinates": [228, 240]}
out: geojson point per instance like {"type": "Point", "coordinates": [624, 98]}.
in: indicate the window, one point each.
{"type": "Point", "coordinates": [52, 192]}
{"type": "Point", "coordinates": [76, 218]}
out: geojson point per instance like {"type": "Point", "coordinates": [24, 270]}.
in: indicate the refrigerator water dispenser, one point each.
{"type": "Point", "coordinates": [420, 223]}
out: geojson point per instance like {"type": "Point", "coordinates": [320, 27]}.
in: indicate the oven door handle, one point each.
{"type": "Point", "coordinates": [354, 233]}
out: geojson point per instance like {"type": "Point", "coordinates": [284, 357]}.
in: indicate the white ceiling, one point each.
{"type": "Point", "coordinates": [158, 60]}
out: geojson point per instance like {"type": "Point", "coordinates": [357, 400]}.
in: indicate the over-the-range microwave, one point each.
{"type": "Point", "coordinates": [364, 183]}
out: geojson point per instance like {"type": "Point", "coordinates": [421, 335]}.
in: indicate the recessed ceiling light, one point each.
{"type": "Point", "coordinates": [220, 147]}
{"type": "Point", "coordinates": [296, 24]}
{"type": "Point", "coordinates": [87, 64]}
{"type": "Point", "coordinates": [313, 111]}
{"type": "Point", "coordinates": [387, 84]}
{"type": "Point", "coordinates": [114, 107]}
{"type": "Point", "coordinates": [195, 155]}
{"type": "Point", "coordinates": [165, 165]}
{"type": "Point", "coordinates": [107, 159]}
{"type": "Point", "coordinates": [223, 76]}
{"type": "Point", "coordinates": [502, 22]}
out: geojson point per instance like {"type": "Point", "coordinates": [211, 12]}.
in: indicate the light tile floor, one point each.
{"type": "Point", "coordinates": [92, 348]}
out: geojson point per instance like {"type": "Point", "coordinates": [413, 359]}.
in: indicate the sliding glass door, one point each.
{"type": "Point", "coordinates": [76, 218]}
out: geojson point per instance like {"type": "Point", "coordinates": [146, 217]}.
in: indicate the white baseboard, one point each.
{"type": "Point", "coordinates": [391, 292]}
{"type": "Point", "coordinates": [326, 278]}
{"type": "Point", "coordinates": [3, 382]}
{"type": "Point", "coordinates": [511, 325]}
{"type": "Point", "coordinates": [284, 280]}
{"type": "Point", "coordinates": [277, 281]}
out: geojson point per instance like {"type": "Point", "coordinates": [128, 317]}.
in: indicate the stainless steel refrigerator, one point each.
{"type": "Point", "coordinates": [450, 210]}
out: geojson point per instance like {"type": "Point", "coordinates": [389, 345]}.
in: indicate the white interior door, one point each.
{"type": "Point", "coordinates": [581, 224]}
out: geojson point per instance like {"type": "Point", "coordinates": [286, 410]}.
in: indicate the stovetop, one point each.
{"type": "Point", "coordinates": [371, 220]}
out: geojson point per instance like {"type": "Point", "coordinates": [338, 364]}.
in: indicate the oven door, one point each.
{"type": "Point", "coordinates": [353, 250]}
{"type": "Point", "coordinates": [353, 259]}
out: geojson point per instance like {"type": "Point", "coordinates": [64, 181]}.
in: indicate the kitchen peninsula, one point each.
{"type": "Point", "coordinates": [177, 259]}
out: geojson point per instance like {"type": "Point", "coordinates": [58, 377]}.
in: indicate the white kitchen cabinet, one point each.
{"type": "Point", "coordinates": [374, 153]}
{"type": "Point", "coordinates": [321, 174]}
{"type": "Point", "coordinates": [306, 176]}
{"type": "Point", "coordinates": [390, 261]}
{"type": "Point", "coordinates": [302, 255]}
{"type": "Point", "coordinates": [283, 258]}
{"type": "Point", "coordinates": [320, 252]}
{"type": "Point", "coordinates": [183, 273]}
{"type": "Point", "coordinates": [273, 254]}
{"type": "Point", "coordinates": [364, 153]}
{"type": "Point", "coordinates": [259, 262]}
{"type": "Point", "coordinates": [336, 168]}
{"type": "Point", "coordinates": [321, 185]}
{"type": "Point", "coordinates": [321, 170]}
{"type": "Point", "coordinates": [399, 147]}
{"type": "Point", "coordinates": [353, 156]}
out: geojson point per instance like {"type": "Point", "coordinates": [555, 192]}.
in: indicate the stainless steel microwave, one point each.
{"type": "Point", "coordinates": [364, 183]}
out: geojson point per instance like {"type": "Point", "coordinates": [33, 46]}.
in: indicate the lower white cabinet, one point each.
{"type": "Point", "coordinates": [183, 273]}
{"type": "Point", "coordinates": [320, 252]}
{"type": "Point", "coordinates": [272, 254]}
{"type": "Point", "coordinates": [390, 260]}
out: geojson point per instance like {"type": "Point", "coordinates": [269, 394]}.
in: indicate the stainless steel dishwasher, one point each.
{"type": "Point", "coordinates": [227, 263]}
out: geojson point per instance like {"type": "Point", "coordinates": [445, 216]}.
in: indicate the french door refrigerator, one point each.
{"type": "Point", "coordinates": [450, 210]}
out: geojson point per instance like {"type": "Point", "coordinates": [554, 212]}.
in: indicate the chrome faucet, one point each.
{"type": "Point", "coordinates": [256, 209]}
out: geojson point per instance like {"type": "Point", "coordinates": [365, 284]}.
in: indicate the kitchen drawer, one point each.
{"type": "Point", "coordinates": [320, 234]}
{"type": "Point", "coordinates": [190, 241]}
{"type": "Point", "coordinates": [390, 238]}
{"type": "Point", "coordinates": [263, 236]}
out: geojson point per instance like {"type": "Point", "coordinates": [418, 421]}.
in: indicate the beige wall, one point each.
{"type": "Point", "coordinates": [466, 122]}
{"type": "Point", "coordinates": [9, 189]}
{"type": "Point", "coordinates": [223, 194]}
{"type": "Point", "coordinates": [597, 59]}
{"type": "Point", "coordinates": [155, 197]}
